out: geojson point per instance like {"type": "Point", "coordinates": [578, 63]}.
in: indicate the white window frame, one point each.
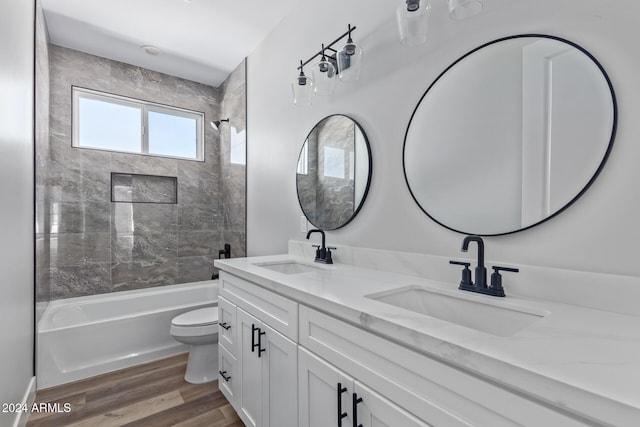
{"type": "Point", "coordinates": [145, 107]}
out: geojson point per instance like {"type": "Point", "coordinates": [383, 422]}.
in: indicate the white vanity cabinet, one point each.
{"type": "Point", "coordinates": [330, 397]}
{"type": "Point", "coordinates": [284, 364]}
{"type": "Point", "coordinates": [266, 358]}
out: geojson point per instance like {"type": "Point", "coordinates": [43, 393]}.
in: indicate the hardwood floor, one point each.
{"type": "Point", "coordinates": [150, 395]}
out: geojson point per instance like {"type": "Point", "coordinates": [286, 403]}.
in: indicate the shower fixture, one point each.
{"type": "Point", "coordinates": [216, 123]}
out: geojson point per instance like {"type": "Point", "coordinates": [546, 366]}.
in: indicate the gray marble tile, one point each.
{"type": "Point", "coordinates": [96, 185]}
{"type": "Point", "coordinates": [79, 248]}
{"type": "Point", "coordinates": [234, 185]}
{"type": "Point", "coordinates": [199, 217]}
{"type": "Point", "coordinates": [80, 69]}
{"type": "Point", "coordinates": [82, 217]}
{"type": "Point", "coordinates": [197, 185]}
{"type": "Point", "coordinates": [143, 274]}
{"type": "Point", "coordinates": [145, 165]}
{"type": "Point", "coordinates": [199, 243]}
{"type": "Point", "coordinates": [143, 217]}
{"type": "Point", "coordinates": [148, 246]}
{"type": "Point", "coordinates": [195, 268]}
{"type": "Point", "coordinates": [74, 185]}
{"type": "Point", "coordinates": [79, 280]}
{"type": "Point", "coordinates": [65, 185]}
{"type": "Point", "coordinates": [234, 216]}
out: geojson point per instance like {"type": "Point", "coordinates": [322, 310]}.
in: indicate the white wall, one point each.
{"type": "Point", "coordinates": [16, 206]}
{"type": "Point", "coordinates": [600, 232]}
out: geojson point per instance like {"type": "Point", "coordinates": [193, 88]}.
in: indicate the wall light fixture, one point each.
{"type": "Point", "coordinates": [413, 17]}
{"type": "Point", "coordinates": [345, 63]}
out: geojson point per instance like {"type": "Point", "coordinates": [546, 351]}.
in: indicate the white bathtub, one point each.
{"type": "Point", "coordinates": [86, 336]}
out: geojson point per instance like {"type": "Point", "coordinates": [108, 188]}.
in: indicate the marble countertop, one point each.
{"type": "Point", "coordinates": [583, 360]}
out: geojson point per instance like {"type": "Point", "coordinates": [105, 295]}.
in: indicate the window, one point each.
{"type": "Point", "coordinates": [109, 122]}
{"type": "Point", "coordinates": [334, 162]}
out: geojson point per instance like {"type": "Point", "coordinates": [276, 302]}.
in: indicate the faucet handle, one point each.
{"type": "Point", "coordinates": [465, 282]}
{"type": "Point", "coordinates": [328, 257]}
{"type": "Point", "coordinates": [496, 279]}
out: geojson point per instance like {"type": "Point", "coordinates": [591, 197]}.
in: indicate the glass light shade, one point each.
{"type": "Point", "coordinates": [302, 87]}
{"type": "Point", "coordinates": [413, 25]}
{"type": "Point", "coordinates": [323, 80]}
{"type": "Point", "coordinates": [350, 62]}
{"type": "Point", "coordinates": [463, 9]}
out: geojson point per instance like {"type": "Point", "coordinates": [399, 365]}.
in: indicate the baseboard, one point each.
{"type": "Point", "coordinates": [27, 401]}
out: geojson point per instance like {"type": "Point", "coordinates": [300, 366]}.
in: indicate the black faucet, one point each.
{"type": "Point", "coordinates": [323, 254]}
{"type": "Point", "coordinates": [481, 271]}
{"type": "Point", "coordinates": [495, 289]}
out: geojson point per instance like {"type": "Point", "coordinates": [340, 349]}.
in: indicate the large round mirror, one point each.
{"type": "Point", "coordinates": [510, 135]}
{"type": "Point", "coordinates": [334, 171]}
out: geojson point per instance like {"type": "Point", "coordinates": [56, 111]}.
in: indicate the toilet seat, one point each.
{"type": "Point", "coordinates": [200, 317]}
{"type": "Point", "coordinates": [196, 323]}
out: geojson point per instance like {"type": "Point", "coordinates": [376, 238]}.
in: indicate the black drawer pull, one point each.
{"type": "Point", "coordinates": [341, 414]}
{"type": "Point", "coordinates": [224, 376]}
{"type": "Point", "coordinates": [225, 326]}
{"type": "Point", "coordinates": [356, 400]}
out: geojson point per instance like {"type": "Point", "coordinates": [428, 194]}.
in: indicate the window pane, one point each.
{"type": "Point", "coordinates": [110, 126]}
{"type": "Point", "coordinates": [171, 135]}
{"type": "Point", "coordinates": [334, 162]}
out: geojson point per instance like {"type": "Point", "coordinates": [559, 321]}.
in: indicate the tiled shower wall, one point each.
{"type": "Point", "coordinates": [95, 246]}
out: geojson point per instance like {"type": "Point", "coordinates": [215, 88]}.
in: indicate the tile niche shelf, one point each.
{"type": "Point", "coordinates": [135, 188]}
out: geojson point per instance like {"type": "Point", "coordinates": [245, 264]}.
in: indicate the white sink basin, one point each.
{"type": "Point", "coordinates": [496, 317]}
{"type": "Point", "coordinates": [288, 267]}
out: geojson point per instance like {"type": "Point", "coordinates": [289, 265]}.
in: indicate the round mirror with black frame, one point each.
{"type": "Point", "coordinates": [334, 172]}
{"type": "Point", "coordinates": [510, 135]}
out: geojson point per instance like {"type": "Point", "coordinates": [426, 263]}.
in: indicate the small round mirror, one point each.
{"type": "Point", "coordinates": [510, 135]}
{"type": "Point", "coordinates": [334, 172]}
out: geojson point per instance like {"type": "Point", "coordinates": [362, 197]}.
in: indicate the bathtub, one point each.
{"type": "Point", "coordinates": [81, 337]}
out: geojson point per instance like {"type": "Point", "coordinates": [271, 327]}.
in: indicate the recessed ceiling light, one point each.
{"type": "Point", "coordinates": [151, 50]}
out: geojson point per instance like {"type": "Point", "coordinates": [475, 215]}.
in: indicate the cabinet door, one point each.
{"type": "Point", "coordinates": [324, 393]}
{"type": "Point", "coordinates": [372, 410]}
{"type": "Point", "coordinates": [227, 375]}
{"type": "Point", "coordinates": [280, 380]}
{"type": "Point", "coordinates": [249, 393]}
{"type": "Point", "coordinates": [227, 325]}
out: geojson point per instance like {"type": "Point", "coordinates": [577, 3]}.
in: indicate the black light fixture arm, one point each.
{"type": "Point", "coordinates": [328, 47]}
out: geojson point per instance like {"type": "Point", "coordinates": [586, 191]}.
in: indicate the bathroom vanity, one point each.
{"type": "Point", "coordinates": [303, 344]}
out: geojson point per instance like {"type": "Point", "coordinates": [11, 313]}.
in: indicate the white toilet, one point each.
{"type": "Point", "coordinates": [199, 329]}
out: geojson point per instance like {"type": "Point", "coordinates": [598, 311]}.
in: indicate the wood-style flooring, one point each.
{"type": "Point", "coordinates": [151, 395]}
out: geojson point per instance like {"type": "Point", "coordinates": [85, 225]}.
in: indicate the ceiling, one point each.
{"type": "Point", "coordinates": [199, 40]}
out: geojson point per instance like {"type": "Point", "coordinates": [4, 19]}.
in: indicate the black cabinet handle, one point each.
{"type": "Point", "coordinates": [258, 344]}
{"type": "Point", "coordinates": [225, 326]}
{"type": "Point", "coordinates": [341, 414]}
{"type": "Point", "coordinates": [356, 400]}
{"type": "Point", "coordinates": [253, 337]}
{"type": "Point", "coordinates": [260, 349]}
{"type": "Point", "coordinates": [224, 376]}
